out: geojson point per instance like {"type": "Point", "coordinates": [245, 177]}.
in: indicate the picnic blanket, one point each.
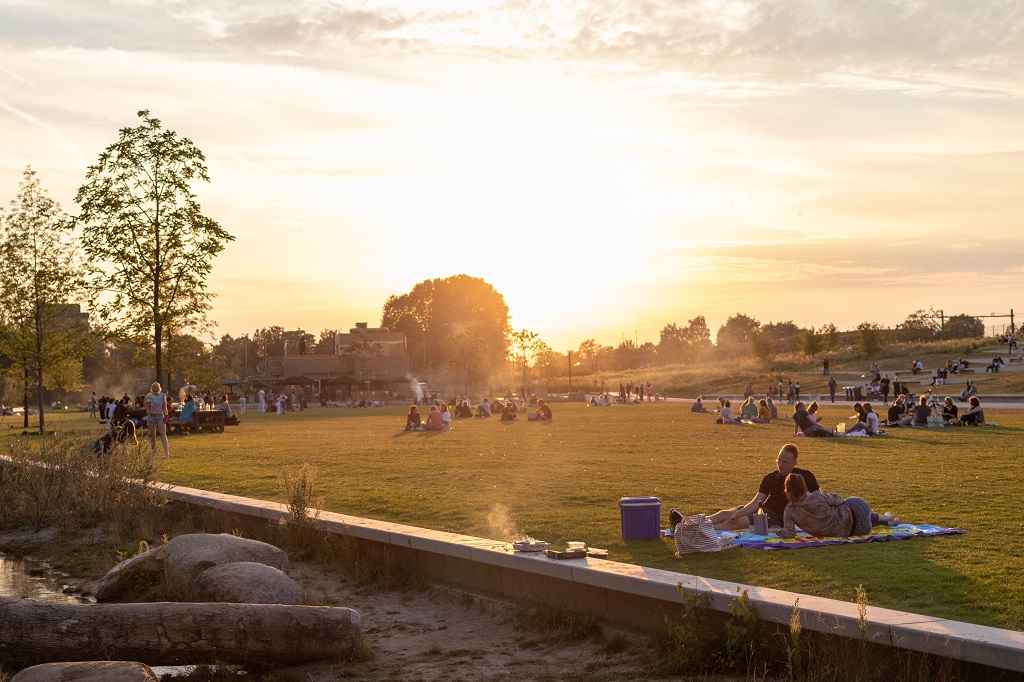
{"type": "Point", "coordinates": [878, 534]}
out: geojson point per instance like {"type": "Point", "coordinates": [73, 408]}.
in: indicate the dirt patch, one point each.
{"type": "Point", "coordinates": [442, 634]}
{"type": "Point", "coordinates": [435, 633]}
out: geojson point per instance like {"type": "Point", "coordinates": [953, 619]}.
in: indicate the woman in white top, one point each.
{"type": "Point", "coordinates": [446, 417]}
{"type": "Point", "coordinates": [156, 411]}
{"type": "Point", "coordinates": [725, 415]}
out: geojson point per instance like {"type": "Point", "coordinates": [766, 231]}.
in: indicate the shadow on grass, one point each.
{"type": "Point", "coordinates": [837, 570]}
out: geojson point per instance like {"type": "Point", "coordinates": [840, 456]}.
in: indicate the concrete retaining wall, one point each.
{"type": "Point", "coordinates": [633, 596]}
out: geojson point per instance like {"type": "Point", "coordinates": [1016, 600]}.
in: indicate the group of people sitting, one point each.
{"type": "Point", "coordinates": [791, 498]}
{"type": "Point", "coordinates": [807, 422]}
{"type": "Point", "coordinates": [439, 418]}
{"type": "Point", "coordinates": [755, 412]}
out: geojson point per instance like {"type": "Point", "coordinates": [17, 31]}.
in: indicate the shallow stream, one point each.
{"type": "Point", "coordinates": [34, 580]}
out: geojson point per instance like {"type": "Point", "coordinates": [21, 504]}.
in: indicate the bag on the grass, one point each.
{"type": "Point", "coordinates": [696, 534]}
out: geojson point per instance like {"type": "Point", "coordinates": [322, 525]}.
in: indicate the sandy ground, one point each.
{"type": "Point", "coordinates": [441, 634]}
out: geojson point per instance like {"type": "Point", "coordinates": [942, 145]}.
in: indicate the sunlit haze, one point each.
{"type": "Point", "coordinates": [609, 167]}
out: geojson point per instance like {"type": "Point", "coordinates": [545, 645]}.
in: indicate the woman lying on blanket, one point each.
{"type": "Point", "coordinates": [827, 514]}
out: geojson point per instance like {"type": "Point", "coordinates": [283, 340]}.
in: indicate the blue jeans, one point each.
{"type": "Point", "coordinates": [863, 517]}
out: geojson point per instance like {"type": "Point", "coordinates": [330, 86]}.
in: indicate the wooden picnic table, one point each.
{"type": "Point", "coordinates": [209, 420]}
{"type": "Point", "coordinates": [203, 420]}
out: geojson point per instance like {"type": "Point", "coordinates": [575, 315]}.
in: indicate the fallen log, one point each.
{"type": "Point", "coordinates": [167, 633]}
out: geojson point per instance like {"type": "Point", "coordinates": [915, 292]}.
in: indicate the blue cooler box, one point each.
{"type": "Point", "coordinates": [641, 518]}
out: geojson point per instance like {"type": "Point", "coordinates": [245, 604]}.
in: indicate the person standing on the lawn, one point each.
{"type": "Point", "coordinates": [832, 387]}
{"type": "Point", "coordinates": [770, 497]}
{"type": "Point", "coordinates": [884, 384]}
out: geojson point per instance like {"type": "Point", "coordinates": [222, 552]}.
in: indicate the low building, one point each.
{"type": "Point", "coordinates": [368, 359]}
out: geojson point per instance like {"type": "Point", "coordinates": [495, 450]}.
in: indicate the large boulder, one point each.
{"type": "Point", "coordinates": [99, 671]}
{"type": "Point", "coordinates": [246, 582]}
{"type": "Point", "coordinates": [140, 571]}
{"type": "Point", "coordinates": [182, 559]}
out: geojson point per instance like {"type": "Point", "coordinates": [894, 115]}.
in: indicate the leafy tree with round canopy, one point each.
{"type": "Point", "coordinates": [143, 228]}
{"type": "Point", "coordinates": [964, 327]}
{"type": "Point", "coordinates": [738, 329]}
{"type": "Point", "coordinates": [439, 316]}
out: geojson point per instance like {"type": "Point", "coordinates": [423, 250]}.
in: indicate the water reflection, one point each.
{"type": "Point", "coordinates": [33, 580]}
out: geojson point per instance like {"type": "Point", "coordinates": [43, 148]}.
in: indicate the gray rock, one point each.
{"type": "Point", "coordinates": [99, 671]}
{"type": "Point", "coordinates": [142, 569]}
{"type": "Point", "coordinates": [183, 558]}
{"type": "Point", "coordinates": [246, 582]}
{"type": "Point", "coordinates": [186, 556]}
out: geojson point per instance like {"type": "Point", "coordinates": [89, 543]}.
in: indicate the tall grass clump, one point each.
{"type": "Point", "coordinates": [58, 480]}
{"type": "Point", "coordinates": [298, 484]}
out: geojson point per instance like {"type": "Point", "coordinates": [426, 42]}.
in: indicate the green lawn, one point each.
{"type": "Point", "coordinates": [561, 481]}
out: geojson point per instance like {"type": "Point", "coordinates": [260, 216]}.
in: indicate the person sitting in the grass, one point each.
{"type": "Point", "coordinates": [413, 420]}
{"type": "Point", "coordinates": [812, 412]}
{"type": "Point", "coordinates": [950, 412]}
{"type": "Point", "coordinates": [749, 410]}
{"type": "Point", "coordinates": [771, 495]}
{"type": "Point", "coordinates": [483, 409]}
{"type": "Point", "coordinates": [725, 415]}
{"type": "Point", "coordinates": [497, 406]}
{"type": "Point", "coordinates": [867, 420]}
{"type": "Point", "coordinates": [922, 411]}
{"type": "Point", "coordinates": [899, 413]}
{"type": "Point", "coordinates": [446, 417]}
{"type": "Point", "coordinates": [772, 407]}
{"type": "Point", "coordinates": [435, 422]}
{"type": "Point", "coordinates": [802, 423]}
{"type": "Point", "coordinates": [764, 415]}
{"type": "Point", "coordinates": [698, 405]}
{"type": "Point", "coordinates": [463, 410]}
{"type": "Point", "coordinates": [543, 412]}
{"type": "Point", "coordinates": [827, 515]}
{"type": "Point", "coordinates": [973, 415]}
{"type": "Point", "coordinates": [509, 413]}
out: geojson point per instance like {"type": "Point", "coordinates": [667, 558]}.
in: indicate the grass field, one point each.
{"type": "Point", "coordinates": [561, 481]}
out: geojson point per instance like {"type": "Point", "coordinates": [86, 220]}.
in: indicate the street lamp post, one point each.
{"type": "Point", "coordinates": [569, 354]}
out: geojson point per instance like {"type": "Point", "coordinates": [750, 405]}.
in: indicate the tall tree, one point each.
{"type": "Point", "coordinates": [829, 337]}
{"type": "Point", "coordinates": [524, 346]}
{"type": "Point", "coordinates": [964, 327]}
{"type": "Point", "coordinates": [144, 229]}
{"type": "Point", "coordinates": [738, 329]}
{"type": "Point", "coordinates": [920, 325]}
{"type": "Point", "coordinates": [437, 311]}
{"type": "Point", "coordinates": [869, 338]}
{"type": "Point", "coordinates": [41, 272]}
{"type": "Point", "coordinates": [268, 342]}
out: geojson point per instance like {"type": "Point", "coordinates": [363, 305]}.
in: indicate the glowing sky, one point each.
{"type": "Point", "coordinates": [609, 167]}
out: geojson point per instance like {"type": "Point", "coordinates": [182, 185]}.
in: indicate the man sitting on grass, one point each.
{"type": "Point", "coordinates": [543, 412]}
{"type": "Point", "coordinates": [771, 496]}
{"type": "Point", "coordinates": [802, 422]}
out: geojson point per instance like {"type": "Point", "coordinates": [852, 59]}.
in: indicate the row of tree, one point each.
{"type": "Point", "coordinates": [138, 252]}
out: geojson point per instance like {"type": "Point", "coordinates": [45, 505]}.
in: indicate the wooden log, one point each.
{"type": "Point", "coordinates": [167, 633]}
